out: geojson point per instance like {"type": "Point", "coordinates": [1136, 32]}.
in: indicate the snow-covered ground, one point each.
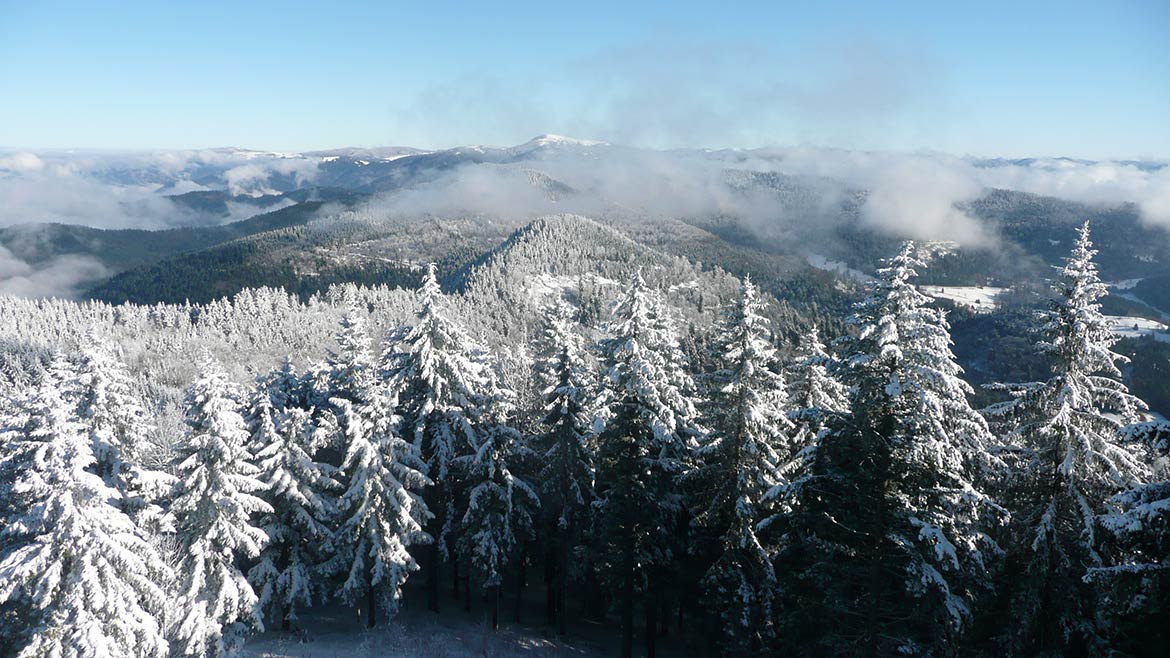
{"type": "Point", "coordinates": [1134, 327]}
{"type": "Point", "coordinates": [336, 632]}
{"type": "Point", "coordinates": [978, 298]}
{"type": "Point", "coordinates": [1124, 290]}
{"type": "Point", "coordinates": [420, 635]}
{"type": "Point", "coordinates": [544, 285]}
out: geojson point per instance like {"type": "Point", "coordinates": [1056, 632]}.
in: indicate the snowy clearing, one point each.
{"type": "Point", "coordinates": [1128, 326]}
{"type": "Point", "coordinates": [544, 285]}
{"type": "Point", "coordinates": [978, 298]}
{"type": "Point", "coordinates": [1124, 290]}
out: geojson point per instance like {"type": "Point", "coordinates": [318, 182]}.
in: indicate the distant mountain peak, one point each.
{"type": "Point", "coordinates": [550, 139]}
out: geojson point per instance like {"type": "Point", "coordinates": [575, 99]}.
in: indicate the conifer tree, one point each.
{"type": "Point", "coordinates": [1135, 579]}
{"type": "Point", "coordinates": [86, 580]}
{"type": "Point", "coordinates": [442, 381]}
{"type": "Point", "coordinates": [109, 407]}
{"type": "Point", "coordinates": [813, 389]}
{"type": "Point", "coordinates": [739, 465]}
{"type": "Point", "coordinates": [650, 421]}
{"type": "Point", "coordinates": [300, 491]}
{"type": "Point", "coordinates": [115, 418]}
{"type": "Point", "coordinates": [213, 505]}
{"type": "Point", "coordinates": [891, 537]}
{"type": "Point", "coordinates": [381, 512]}
{"type": "Point", "coordinates": [352, 367]}
{"type": "Point", "coordinates": [1067, 431]}
{"type": "Point", "coordinates": [815, 397]}
{"type": "Point", "coordinates": [569, 454]}
{"type": "Point", "coordinates": [500, 507]}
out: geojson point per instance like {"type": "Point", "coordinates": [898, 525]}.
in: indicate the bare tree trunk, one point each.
{"type": "Point", "coordinates": [562, 587]}
{"type": "Point", "coordinates": [628, 600]}
{"type": "Point", "coordinates": [467, 592]}
{"type": "Point", "coordinates": [455, 575]}
{"type": "Point", "coordinates": [432, 577]}
{"type": "Point", "coordinates": [371, 607]}
{"type": "Point", "coordinates": [550, 587]}
{"type": "Point", "coordinates": [494, 596]}
{"type": "Point", "coordinates": [523, 575]}
{"type": "Point", "coordinates": [651, 617]}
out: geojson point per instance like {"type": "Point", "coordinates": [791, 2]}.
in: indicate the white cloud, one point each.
{"type": "Point", "coordinates": [1103, 183]}
{"type": "Point", "coordinates": [254, 178]}
{"type": "Point", "coordinates": [21, 162]}
{"type": "Point", "coordinates": [60, 277]}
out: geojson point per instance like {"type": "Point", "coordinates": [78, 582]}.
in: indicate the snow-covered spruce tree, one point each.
{"type": "Point", "coordinates": [300, 491]}
{"type": "Point", "coordinates": [1071, 462]}
{"type": "Point", "coordinates": [85, 580]}
{"type": "Point", "coordinates": [500, 507]}
{"type": "Point", "coordinates": [1135, 580]}
{"type": "Point", "coordinates": [214, 501]}
{"type": "Point", "coordinates": [442, 380]}
{"type": "Point", "coordinates": [650, 419]}
{"type": "Point", "coordinates": [815, 397]}
{"type": "Point", "coordinates": [273, 394]}
{"type": "Point", "coordinates": [352, 366]}
{"type": "Point", "coordinates": [813, 389]}
{"type": "Point", "coordinates": [738, 465]}
{"type": "Point", "coordinates": [891, 536]}
{"type": "Point", "coordinates": [569, 454]}
{"type": "Point", "coordinates": [109, 407]}
{"type": "Point", "coordinates": [349, 374]}
{"type": "Point", "coordinates": [381, 512]}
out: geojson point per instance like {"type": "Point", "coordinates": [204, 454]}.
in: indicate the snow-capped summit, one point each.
{"type": "Point", "coordinates": [550, 140]}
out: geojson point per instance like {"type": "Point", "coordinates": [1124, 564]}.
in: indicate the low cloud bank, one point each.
{"type": "Point", "coordinates": [918, 196]}
{"type": "Point", "coordinates": [62, 276]}
{"type": "Point", "coordinates": [783, 193]}
{"type": "Point", "coordinates": [130, 190]}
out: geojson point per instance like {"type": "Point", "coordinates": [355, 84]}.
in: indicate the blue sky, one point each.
{"type": "Point", "coordinates": [991, 78]}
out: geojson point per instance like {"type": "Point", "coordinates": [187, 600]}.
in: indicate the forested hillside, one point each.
{"type": "Point", "coordinates": [576, 425]}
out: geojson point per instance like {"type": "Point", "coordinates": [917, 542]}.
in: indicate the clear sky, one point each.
{"type": "Point", "coordinates": [1087, 79]}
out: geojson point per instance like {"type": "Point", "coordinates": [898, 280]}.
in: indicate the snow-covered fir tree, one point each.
{"type": "Point", "coordinates": [1071, 461]}
{"type": "Point", "coordinates": [109, 406]}
{"type": "Point", "coordinates": [381, 512]}
{"type": "Point", "coordinates": [1135, 579]}
{"type": "Point", "coordinates": [500, 507]}
{"type": "Point", "coordinates": [352, 366]}
{"type": "Point", "coordinates": [891, 541]}
{"type": "Point", "coordinates": [300, 491]}
{"type": "Point", "coordinates": [117, 422]}
{"type": "Point", "coordinates": [813, 388]}
{"type": "Point", "coordinates": [442, 381]}
{"type": "Point", "coordinates": [86, 582]}
{"type": "Point", "coordinates": [738, 465]}
{"type": "Point", "coordinates": [274, 393]}
{"type": "Point", "coordinates": [650, 418]}
{"type": "Point", "coordinates": [815, 396]}
{"type": "Point", "coordinates": [214, 501]}
{"type": "Point", "coordinates": [569, 454]}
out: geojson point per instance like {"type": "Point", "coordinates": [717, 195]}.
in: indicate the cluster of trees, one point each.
{"type": "Point", "coordinates": [848, 501]}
